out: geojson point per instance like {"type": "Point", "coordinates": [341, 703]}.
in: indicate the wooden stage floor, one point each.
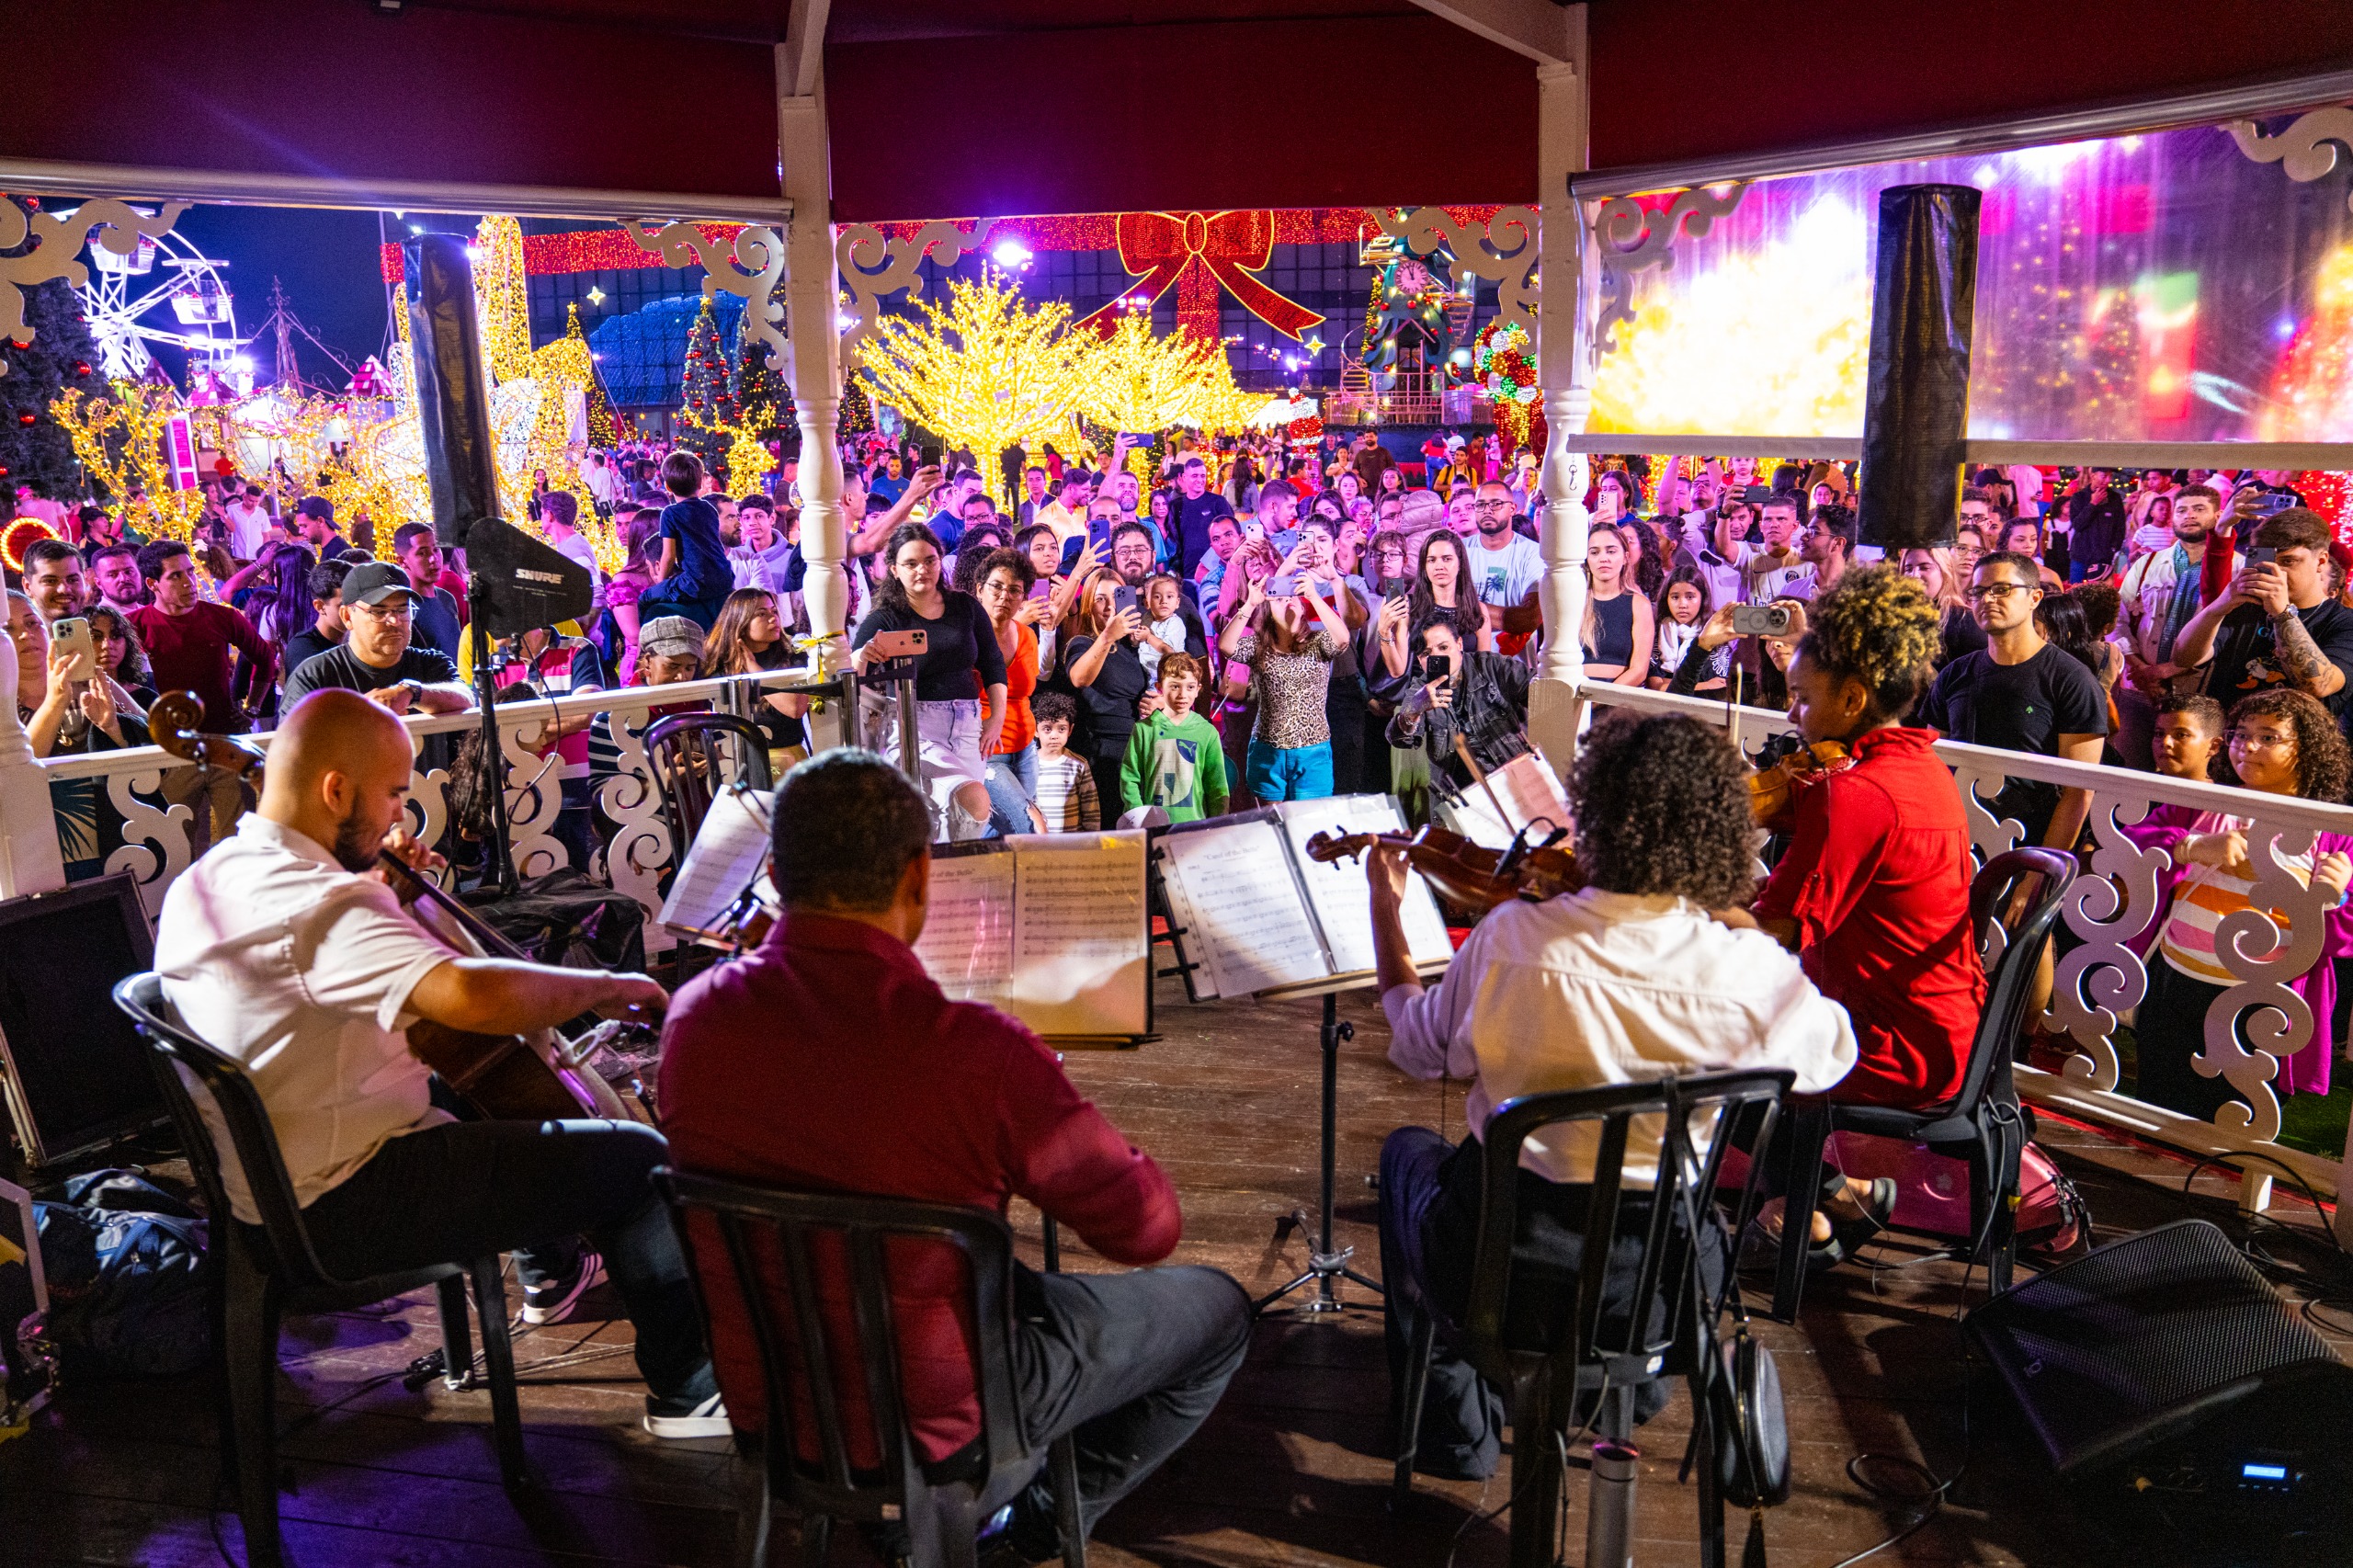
{"type": "Point", "coordinates": [1291, 1470]}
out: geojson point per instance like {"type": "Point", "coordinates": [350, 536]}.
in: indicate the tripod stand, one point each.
{"type": "Point", "coordinates": [1325, 1267]}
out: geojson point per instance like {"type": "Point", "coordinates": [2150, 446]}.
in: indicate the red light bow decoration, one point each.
{"type": "Point", "coordinates": [1197, 253]}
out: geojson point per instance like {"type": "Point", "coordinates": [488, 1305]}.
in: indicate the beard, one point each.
{"type": "Point", "coordinates": [355, 846]}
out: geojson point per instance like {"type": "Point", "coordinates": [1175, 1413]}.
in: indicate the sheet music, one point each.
{"type": "Point", "coordinates": [967, 942]}
{"type": "Point", "coordinates": [1337, 890]}
{"type": "Point", "coordinates": [1081, 947]}
{"type": "Point", "coordinates": [724, 857]}
{"type": "Point", "coordinates": [1249, 927]}
{"type": "Point", "coordinates": [1528, 790]}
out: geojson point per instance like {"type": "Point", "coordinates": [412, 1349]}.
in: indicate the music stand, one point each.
{"type": "Point", "coordinates": [1325, 1267]}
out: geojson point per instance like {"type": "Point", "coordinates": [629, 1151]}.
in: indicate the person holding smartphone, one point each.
{"type": "Point", "coordinates": [960, 677]}
{"type": "Point", "coordinates": [1460, 690]}
{"type": "Point", "coordinates": [2277, 626]}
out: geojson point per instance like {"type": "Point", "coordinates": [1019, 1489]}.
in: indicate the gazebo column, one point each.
{"type": "Point", "coordinates": [1565, 374]}
{"type": "Point", "coordinates": [30, 859]}
{"type": "Point", "coordinates": [809, 311]}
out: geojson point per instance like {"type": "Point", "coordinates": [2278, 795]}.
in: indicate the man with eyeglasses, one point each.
{"type": "Point", "coordinates": [2021, 692]}
{"type": "Point", "coordinates": [1503, 564]}
{"type": "Point", "coordinates": [375, 658]}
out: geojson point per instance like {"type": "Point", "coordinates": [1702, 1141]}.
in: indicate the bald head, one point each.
{"type": "Point", "coordinates": [338, 775]}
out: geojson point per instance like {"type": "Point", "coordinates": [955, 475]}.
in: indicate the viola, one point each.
{"type": "Point", "coordinates": [1464, 873]}
{"type": "Point", "coordinates": [1773, 790]}
{"type": "Point", "coordinates": [507, 1078]}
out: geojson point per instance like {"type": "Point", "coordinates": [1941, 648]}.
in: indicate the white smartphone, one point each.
{"type": "Point", "coordinates": [70, 634]}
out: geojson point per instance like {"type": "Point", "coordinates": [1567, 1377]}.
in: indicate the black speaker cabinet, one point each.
{"type": "Point", "coordinates": [2164, 1374]}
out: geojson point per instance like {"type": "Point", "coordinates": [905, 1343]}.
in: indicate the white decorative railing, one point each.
{"type": "Point", "coordinates": [157, 843]}
{"type": "Point", "coordinates": [2110, 909]}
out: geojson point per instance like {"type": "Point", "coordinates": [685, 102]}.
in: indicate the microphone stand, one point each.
{"type": "Point", "coordinates": [498, 857]}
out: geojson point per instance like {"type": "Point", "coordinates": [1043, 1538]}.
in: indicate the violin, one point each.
{"type": "Point", "coordinates": [1464, 873]}
{"type": "Point", "coordinates": [1772, 792]}
{"type": "Point", "coordinates": [507, 1078]}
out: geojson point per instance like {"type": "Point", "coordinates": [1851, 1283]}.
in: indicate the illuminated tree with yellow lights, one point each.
{"type": "Point", "coordinates": [602, 431]}
{"type": "Point", "coordinates": [119, 436]}
{"type": "Point", "coordinates": [1139, 382]}
{"type": "Point", "coordinates": [987, 372]}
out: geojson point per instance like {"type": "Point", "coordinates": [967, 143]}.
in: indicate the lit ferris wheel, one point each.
{"type": "Point", "coordinates": [166, 291]}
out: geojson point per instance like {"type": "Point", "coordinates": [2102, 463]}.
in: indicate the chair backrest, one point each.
{"type": "Point", "coordinates": [1716, 1102]}
{"type": "Point", "coordinates": [689, 754]}
{"type": "Point", "coordinates": [180, 1056]}
{"type": "Point", "coordinates": [2037, 881]}
{"type": "Point", "coordinates": [762, 1227]}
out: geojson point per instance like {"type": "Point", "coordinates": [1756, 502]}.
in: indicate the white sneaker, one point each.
{"type": "Point", "coordinates": [681, 1418]}
{"type": "Point", "coordinates": [554, 1300]}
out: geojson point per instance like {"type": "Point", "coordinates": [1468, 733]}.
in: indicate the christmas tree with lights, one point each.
{"type": "Point", "coordinates": [2111, 381]}
{"type": "Point", "coordinates": [35, 449]}
{"type": "Point", "coordinates": [764, 403]}
{"type": "Point", "coordinates": [2025, 371]}
{"type": "Point", "coordinates": [707, 393]}
{"type": "Point", "coordinates": [603, 431]}
{"type": "Point", "coordinates": [856, 417]}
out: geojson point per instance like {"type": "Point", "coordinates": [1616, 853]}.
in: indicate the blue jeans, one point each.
{"type": "Point", "coordinates": [1013, 786]}
{"type": "Point", "coordinates": [1290, 773]}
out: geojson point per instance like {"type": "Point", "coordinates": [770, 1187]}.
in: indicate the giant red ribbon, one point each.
{"type": "Point", "coordinates": [1225, 246]}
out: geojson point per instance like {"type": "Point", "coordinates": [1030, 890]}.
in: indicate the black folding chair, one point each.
{"type": "Point", "coordinates": [765, 1233]}
{"type": "Point", "coordinates": [1982, 1123]}
{"type": "Point", "coordinates": [1610, 1343]}
{"type": "Point", "coordinates": [260, 1273]}
{"type": "Point", "coordinates": [693, 756]}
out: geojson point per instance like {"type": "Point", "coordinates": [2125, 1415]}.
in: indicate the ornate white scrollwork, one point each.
{"type": "Point", "coordinates": [534, 795]}
{"type": "Point", "coordinates": [2306, 149]}
{"type": "Point", "coordinates": [2105, 976]}
{"type": "Point", "coordinates": [428, 810]}
{"type": "Point", "coordinates": [2252, 946]}
{"type": "Point", "coordinates": [750, 269]}
{"type": "Point", "coordinates": [872, 269]}
{"type": "Point", "coordinates": [1504, 252]}
{"type": "Point", "coordinates": [1631, 241]}
{"type": "Point", "coordinates": [154, 839]}
{"type": "Point", "coordinates": [57, 250]}
{"type": "Point", "coordinates": [639, 851]}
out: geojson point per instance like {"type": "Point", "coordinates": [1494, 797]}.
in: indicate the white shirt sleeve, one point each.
{"type": "Point", "coordinates": [1429, 1034]}
{"type": "Point", "coordinates": [367, 955]}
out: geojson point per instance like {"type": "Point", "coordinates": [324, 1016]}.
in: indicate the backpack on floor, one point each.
{"type": "Point", "coordinates": [1932, 1190]}
{"type": "Point", "coordinates": [125, 1265]}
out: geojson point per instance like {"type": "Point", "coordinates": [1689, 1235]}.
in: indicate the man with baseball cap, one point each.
{"type": "Point", "coordinates": [375, 658]}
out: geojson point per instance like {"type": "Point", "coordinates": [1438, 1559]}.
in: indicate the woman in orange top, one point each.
{"type": "Point", "coordinates": [1003, 586]}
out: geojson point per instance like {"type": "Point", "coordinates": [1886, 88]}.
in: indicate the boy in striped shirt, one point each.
{"type": "Point", "coordinates": [1066, 795]}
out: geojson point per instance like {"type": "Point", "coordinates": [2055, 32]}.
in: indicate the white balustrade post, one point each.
{"type": "Point", "coordinates": [1564, 372]}
{"type": "Point", "coordinates": [29, 859]}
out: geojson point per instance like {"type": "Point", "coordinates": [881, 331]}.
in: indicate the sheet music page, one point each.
{"type": "Point", "coordinates": [967, 942]}
{"type": "Point", "coordinates": [1528, 790]}
{"type": "Point", "coordinates": [1337, 890]}
{"type": "Point", "coordinates": [1250, 927]}
{"type": "Point", "coordinates": [1080, 944]}
{"type": "Point", "coordinates": [725, 857]}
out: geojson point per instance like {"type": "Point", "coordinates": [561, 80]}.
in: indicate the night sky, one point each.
{"type": "Point", "coordinates": [326, 261]}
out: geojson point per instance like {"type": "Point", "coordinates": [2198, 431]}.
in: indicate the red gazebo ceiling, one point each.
{"type": "Point", "coordinates": [946, 107]}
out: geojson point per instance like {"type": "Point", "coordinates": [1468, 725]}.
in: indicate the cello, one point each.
{"type": "Point", "coordinates": [505, 1077]}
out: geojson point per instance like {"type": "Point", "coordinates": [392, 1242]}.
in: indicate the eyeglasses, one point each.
{"type": "Point", "coordinates": [2256, 740]}
{"type": "Point", "coordinates": [387, 612]}
{"type": "Point", "coordinates": [1983, 591]}
{"type": "Point", "coordinates": [1492, 503]}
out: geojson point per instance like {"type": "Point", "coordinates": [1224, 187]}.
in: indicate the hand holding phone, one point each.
{"type": "Point", "coordinates": [70, 638]}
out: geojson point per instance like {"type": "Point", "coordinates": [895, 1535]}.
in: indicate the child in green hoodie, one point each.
{"type": "Point", "coordinates": [1175, 759]}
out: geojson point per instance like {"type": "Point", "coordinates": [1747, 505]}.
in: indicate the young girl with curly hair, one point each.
{"type": "Point", "coordinates": [2279, 742]}
{"type": "Point", "coordinates": [1873, 893]}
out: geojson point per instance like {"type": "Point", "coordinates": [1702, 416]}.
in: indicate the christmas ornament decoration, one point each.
{"type": "Point", "coordinates": [21, 535]}
{"type": "Point", "coordinates": [1199, 253]}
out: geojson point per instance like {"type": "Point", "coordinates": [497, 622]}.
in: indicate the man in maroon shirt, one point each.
{"type": "Point", "coordinates": [828, 1061]}
{"type": "Point", "coordinates": [189, 641]}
